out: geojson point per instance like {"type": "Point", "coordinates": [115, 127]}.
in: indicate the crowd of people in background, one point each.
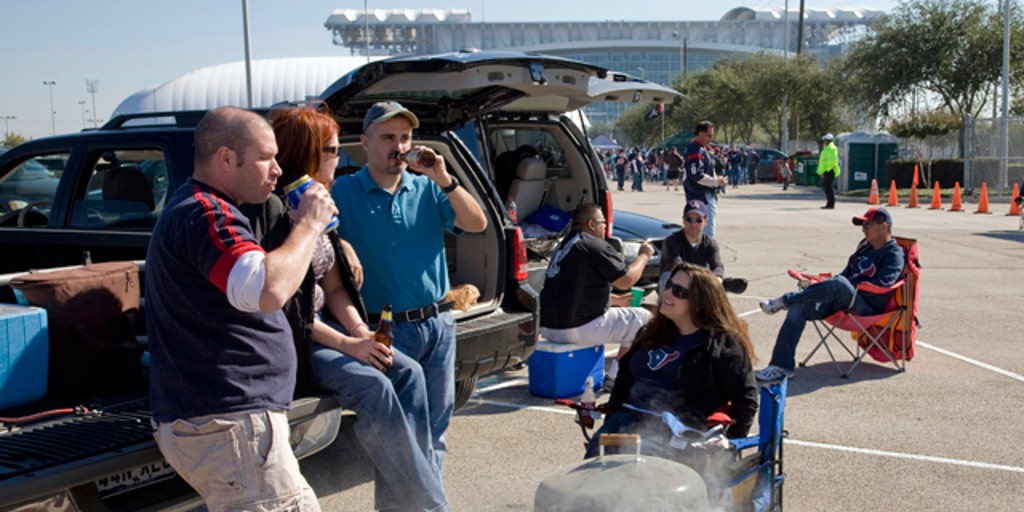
{"type": "Point", "coordinates": [660, 165]}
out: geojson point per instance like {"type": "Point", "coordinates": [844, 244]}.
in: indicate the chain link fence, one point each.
{"type": "Point", "coordinates": [983, 155]}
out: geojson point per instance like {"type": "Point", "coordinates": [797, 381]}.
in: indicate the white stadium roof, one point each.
{"type": "Point", "coordinates": [273, 81]}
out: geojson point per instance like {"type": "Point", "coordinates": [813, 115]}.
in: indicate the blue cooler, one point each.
{"type": "Point", "coordinates": [24, 354]}
{"type": "Point", "coordinates": [558, 370]}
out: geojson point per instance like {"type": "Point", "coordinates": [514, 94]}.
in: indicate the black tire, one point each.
{"type": "Point", "coordinates": [464, 390]}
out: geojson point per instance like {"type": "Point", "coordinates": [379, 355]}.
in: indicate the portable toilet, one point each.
{"type": "Point", "coordinates": [862, 158]}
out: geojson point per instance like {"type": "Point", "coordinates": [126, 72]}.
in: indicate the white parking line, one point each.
{"type": "Point", "coordinates": [975, 362]}
{"type": "Point", "coordinates": [909, 456]}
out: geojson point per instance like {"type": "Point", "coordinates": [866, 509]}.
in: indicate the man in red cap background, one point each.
{"type": "Point", "coordinates": [878, 260]}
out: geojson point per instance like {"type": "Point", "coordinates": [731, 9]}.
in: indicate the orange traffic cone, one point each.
{"type": "Point", "coordinates": [958, 205]}
{"type": "Point", "coordinates": [913, 197]}
{"type": "Point", "coordinates": [893, 198]}
{"type": "Point", "coordinates": [936, 198]}
{"type": "Point", "coordinates": [1014, 207]}
{"type": "Point", "coordinates": [983, 200]}
{"type": "Point", "coordinates": [873, 194]}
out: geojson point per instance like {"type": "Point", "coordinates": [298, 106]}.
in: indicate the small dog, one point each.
{"type": "Point", "coordinates": [464, 296]}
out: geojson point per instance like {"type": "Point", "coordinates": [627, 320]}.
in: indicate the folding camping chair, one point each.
{"type": "Point", "coordinates": [765, 489]}
{"type": "Point", "coordinates": [888, 336]}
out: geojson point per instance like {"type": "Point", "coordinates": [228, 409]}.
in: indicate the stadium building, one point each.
{"type": "Point", "coordinates": [659, 51]}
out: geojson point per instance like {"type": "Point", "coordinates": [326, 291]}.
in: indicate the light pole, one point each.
{"type": "Point", "coordinates": [92, 87]}
{"type": "Point", "coordinates": [682, 54]}
{"type": "Point", "coordinates": [7, 131]}
{"type": "Point", "coordinates": [248, 52]}
{"type": "Point", "coordinates": [53, 113]}
{"type": "Point", "coordinates": [81, 104]}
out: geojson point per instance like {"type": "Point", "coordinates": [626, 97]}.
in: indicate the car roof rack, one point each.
{"type": "Point", "coordinates": [180, 119]}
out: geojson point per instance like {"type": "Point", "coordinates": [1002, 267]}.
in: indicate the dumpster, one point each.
{"type": "Point", "coordinates": [806, 171]}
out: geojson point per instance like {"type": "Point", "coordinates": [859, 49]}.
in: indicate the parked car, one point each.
{"type": "Point", "coordinates": [768, 166]}
{"type": "Point", "coordinates": [633, 229]}
{"type": "Point", "coordinates": [29, 183]}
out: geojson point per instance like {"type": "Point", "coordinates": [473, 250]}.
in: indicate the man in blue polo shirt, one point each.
{"type": "Point", "coordinates": [396, 220]}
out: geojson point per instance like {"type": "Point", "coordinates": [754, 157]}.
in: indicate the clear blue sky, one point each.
{"type": "Point", "coordinates": [128, 45]}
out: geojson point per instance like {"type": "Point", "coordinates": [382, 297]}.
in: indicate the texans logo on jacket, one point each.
{"type": "Point", "coordinates": [658, 358]}
{"type": "Point", "coordinates": [866, 268]}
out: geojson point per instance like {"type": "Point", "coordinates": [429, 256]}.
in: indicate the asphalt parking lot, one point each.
{"type": "Point", "coordinates": [944, 435]}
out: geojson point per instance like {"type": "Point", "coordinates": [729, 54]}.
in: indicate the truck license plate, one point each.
{"type": "Point", "coordinates": [124, 481]}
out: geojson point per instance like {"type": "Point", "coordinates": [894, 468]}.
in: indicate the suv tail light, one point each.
{"type": "Point", "coordinates": [520, 268]}
{"type": "Point", "coordinates": [609, 215]}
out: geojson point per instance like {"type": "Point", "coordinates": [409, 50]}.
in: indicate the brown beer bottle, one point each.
{"type": "Point", "coordinates": [418, 158]}
{"type": "Point", "coordinates": [383, 334]}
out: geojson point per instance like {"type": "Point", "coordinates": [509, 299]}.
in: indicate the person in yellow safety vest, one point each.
{"type": "Point", "coordinates": [828, 169]}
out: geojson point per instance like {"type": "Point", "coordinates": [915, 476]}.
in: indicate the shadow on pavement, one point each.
{"type": "Point", "coordinates": [1013, 236]}
{"type": "Point", "coordinates": [823, 374]}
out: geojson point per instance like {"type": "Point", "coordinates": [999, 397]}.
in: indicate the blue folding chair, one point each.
{"type": "Point", "coordinates": [765, 465]}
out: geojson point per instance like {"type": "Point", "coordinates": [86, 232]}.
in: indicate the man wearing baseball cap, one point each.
{"type": "Point", "coordinates": [878, 260]}
{"type": "Point", "coordinates": [828, 169]}
{"type": "Point", "coordinates": [692, 245]}
{"type": "Point", "coordinates": [385, 210]}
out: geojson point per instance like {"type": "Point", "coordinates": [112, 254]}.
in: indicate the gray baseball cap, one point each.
{"type": "Point", "coordinates": [385, 110]}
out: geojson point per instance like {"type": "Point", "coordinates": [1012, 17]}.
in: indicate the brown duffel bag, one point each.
{"type": "Point", "coordinates": [92, 313]}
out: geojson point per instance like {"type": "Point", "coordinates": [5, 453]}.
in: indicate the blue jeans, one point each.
{"type": "Point", "coordinates": [638, 181]}
{"type": "Point", "coordinates": [390, 409]}
{"type": "Point", "coordinates": [431, 342]}
{"type": "Point", "coordinates": [817, 301]}
{"type": "Point", "coordinates": [711, 200]}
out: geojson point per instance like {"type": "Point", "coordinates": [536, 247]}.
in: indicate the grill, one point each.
{"type": "Point", "coordinates": [50, 443]}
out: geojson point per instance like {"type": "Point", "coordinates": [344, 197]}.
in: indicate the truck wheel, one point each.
{"type": "Point", "coordinates": [464, 390]}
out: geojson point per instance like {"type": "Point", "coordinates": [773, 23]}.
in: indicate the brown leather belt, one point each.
{"type": "Point", "coordinates": [415, 314]}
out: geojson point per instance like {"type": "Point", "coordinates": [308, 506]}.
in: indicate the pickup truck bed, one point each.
{"type": "Point", "coordinates": [110, 450]}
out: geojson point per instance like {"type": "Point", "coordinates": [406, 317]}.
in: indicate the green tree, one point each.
{"type": "Point", "coordinates": [744, 97]}
{"type": "Point", "coordinates": [947, 49]}
{"type": "Point", "coordinates": [638, 129]}
{"type": "Point", "coordinates": [12, 139]}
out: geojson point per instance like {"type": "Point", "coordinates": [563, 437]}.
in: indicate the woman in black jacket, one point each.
{"type": "Point", "coordinates": [693, 358]}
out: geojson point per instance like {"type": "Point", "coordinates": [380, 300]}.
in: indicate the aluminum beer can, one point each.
{"type": "Point", "coordinates": [293, 194]}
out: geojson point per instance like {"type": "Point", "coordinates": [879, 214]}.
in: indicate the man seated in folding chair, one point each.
{"type": "Point", "coordinates": [878, 260]}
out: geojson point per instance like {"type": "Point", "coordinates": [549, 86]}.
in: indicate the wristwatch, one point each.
{"type": "Point", "coordinates": [452, 186]}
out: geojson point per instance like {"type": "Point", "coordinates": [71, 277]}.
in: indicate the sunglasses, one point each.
{"type": "Point", "coordinates": [677, 291]}
{"type": "Point", "coordinates": [334, 150]}
{"type": "Point", "coordinates": [693, 220]}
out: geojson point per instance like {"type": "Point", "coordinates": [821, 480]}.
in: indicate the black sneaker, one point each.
{"type": "Point", "coordinates": [734, 284]}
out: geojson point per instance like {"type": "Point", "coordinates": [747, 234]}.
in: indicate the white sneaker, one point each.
{"type": "Point", "coordinates": [772, 306]}
{"type": "Point", "coordinates": [772, 373]}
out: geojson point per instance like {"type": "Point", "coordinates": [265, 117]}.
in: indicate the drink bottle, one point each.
{"type": "Point", "coordinates": [418, 158]}
{"type": "Point", "coordinates": [383, 334]}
